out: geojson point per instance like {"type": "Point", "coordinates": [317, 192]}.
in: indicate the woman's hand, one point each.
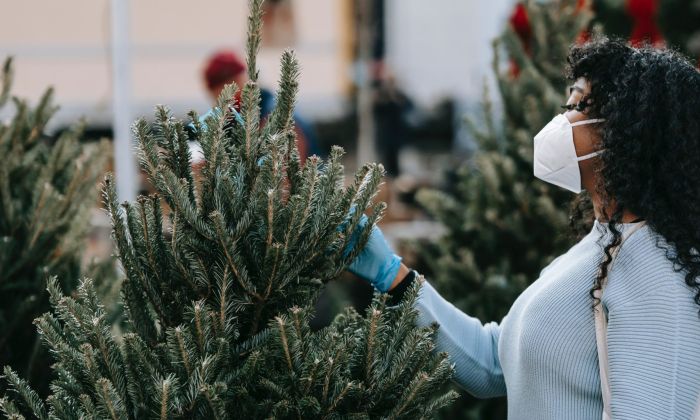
{"type": "Point", "coordinates": [377, 263]}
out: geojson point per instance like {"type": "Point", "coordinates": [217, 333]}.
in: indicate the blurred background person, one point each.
{"type": "Point", "coordinates": [224, 67]}
{"type": "Point", "coordinates": [391, 105]}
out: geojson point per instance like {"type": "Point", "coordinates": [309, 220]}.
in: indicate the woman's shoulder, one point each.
{"type": "Point", "coordinates": [643, 270]}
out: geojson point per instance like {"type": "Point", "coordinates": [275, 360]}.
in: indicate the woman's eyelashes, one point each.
{"type": "Point", "coordinates": [579, 106]}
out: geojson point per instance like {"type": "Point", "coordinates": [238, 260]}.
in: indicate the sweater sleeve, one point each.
{"type": "Point", "coordinates": [654, 370]}
{"type": "Point", "coordinates": [471, 345]}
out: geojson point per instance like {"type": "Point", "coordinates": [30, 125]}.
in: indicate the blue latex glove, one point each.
{"type": "Point", "coordinates": [202, 118]}
{"type": "Point", "coordinates": [236, 115]}
{"type": "Point", "coordinates": [203, 122]}
{"type": "Point", "coordinates": [377, 263]}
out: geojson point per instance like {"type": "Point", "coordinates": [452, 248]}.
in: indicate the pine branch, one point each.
{"type": "Point", "coordinates": [10, 410]}
{"type": "Point", "coordinates": [29, 396]}
{"type": "Point", "coordinates": [165, 396]}
{"type": "Point", "coordinates": [180, 350]}
{"type": "Point", "coordinates": [6, 81]}
{"type": "Point", "coordinates": [88, 406]}
{"type": "Point", "coordinates": [109, 402]}
{"type": "Point", "coordinates": [281, 119]}
{"type": "Point", "coordinates": [254, 37]}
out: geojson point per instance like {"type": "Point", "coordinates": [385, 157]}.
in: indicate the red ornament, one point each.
{"type": "Point", "coordinates": [520, 22]}
{"type": "Point", "coordinates": [585, 34]}
{"type": "Point", "coordinates": [645, 29]}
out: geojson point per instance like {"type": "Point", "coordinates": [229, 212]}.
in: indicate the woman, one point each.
{"type": "Point", "coordinates": [631, 138]}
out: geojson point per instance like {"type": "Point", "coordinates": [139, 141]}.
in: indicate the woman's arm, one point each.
{"type": "Point", "coordinates": [471, 345]}
{"type": "Point", "coordinates": [400, 276]}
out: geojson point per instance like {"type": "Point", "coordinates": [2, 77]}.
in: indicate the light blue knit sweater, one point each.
{"type": "Point", "coordinates": [542, 355]}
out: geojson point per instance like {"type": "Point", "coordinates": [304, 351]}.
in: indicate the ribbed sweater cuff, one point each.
{"type": "Point", "coordinates": [396, 294]}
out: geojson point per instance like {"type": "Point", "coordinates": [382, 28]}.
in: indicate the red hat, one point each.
{"type": "Point", "coordinates": [222, 67]}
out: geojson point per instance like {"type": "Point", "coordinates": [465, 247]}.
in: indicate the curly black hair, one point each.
{"type": "Point", "coordinates": [650, 100]}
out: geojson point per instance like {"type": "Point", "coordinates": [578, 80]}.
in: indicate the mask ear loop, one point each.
{"type": "Point", "coordinates": [595, 120]}
{"type": "Point", "coordinates": [591, 121]}
{"type": "Point", "coordinates": [590, 155]}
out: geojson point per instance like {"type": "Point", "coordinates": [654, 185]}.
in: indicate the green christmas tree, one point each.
{"type": "Point", "coordinates": [503, 225]}
{"type": "Point", "coordinates": [678, 21]}
{"type": "Point", "coordinates": [47, 187]}
{"type": "Point", "coordinates": [680, 24]}
{"type": "Point", "coordinates": [220, 276]}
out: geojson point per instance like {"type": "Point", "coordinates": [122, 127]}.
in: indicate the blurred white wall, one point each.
{"type": "Point", "coordinates": [66, 44]}
{"type": "Point", "coordinates": [442, 48]}
{"type": "Point", "coordinates": [436, 49]}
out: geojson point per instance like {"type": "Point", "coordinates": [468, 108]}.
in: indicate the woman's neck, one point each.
{"type": "Point", "coordinates": [627, 216]}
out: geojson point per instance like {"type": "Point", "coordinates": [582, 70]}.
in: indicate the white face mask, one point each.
{"type": "Point", "coordinates": [555, 158]}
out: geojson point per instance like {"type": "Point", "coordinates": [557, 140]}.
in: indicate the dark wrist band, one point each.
{"type": "Point", "coordinates": [397, 292]}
